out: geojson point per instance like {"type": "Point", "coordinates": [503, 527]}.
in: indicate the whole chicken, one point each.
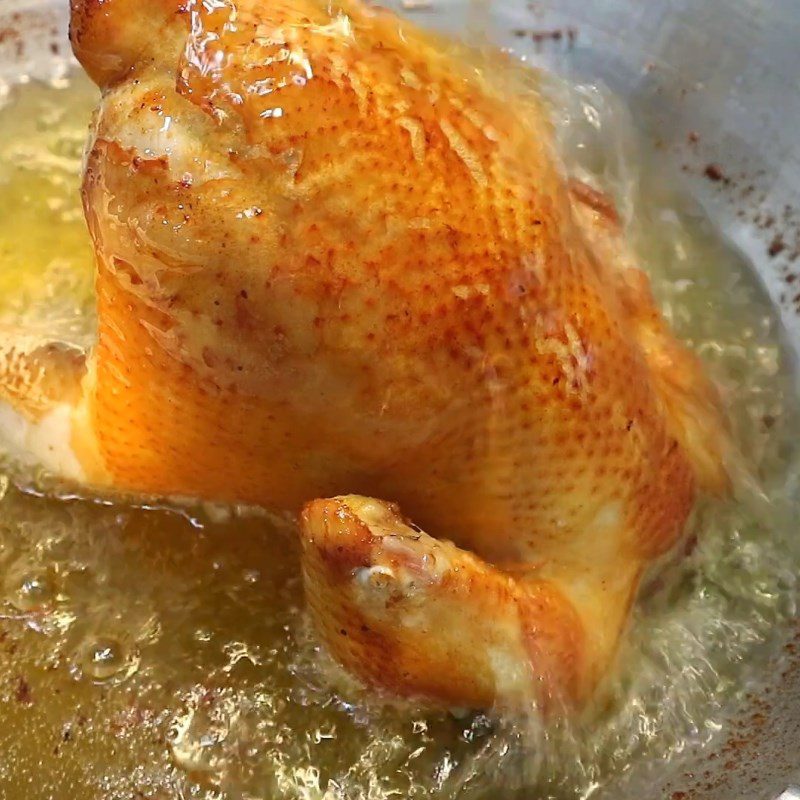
{"type": "Point", "coordinates": [337, 258]}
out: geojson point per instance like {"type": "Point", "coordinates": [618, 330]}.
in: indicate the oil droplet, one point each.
{"type": "Point", "coordinates": [106, 659]}
{"type": "Point", "coordinates": [32, 590]}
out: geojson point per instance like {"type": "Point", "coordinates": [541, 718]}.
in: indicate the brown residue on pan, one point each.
{"type": "Point", "coordinates": [22, 693]}
{"type": "Point", "coordinates": [762, 734]}
{"type": "Point", "coordinates": [714, 173]}
{"type": "Point", "coordinates": [777, 246]}
{"type": "Point", "coordinates": [540, 37]}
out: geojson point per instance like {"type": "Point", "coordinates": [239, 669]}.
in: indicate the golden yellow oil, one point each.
{"type": "Point", "coordinates": [163, 652]}
{"type": "Point", "coordinates": [46, 256]}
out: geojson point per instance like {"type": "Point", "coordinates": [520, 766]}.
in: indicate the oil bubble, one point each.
{"type": "Point", "coordinates": [200, 737]}
{"type": "Point", "coordinates": [31, 589]}
{"type": "Point", "coordinates": [104, 659]}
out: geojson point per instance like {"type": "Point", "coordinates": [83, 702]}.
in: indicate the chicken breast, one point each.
{"type": "Point", "coordinates": [337, 258]}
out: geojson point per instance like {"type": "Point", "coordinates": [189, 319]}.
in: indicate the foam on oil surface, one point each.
{"type": "Point", "coordinates": [163, 652]}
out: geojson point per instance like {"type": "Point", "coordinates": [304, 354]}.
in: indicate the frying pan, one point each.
{"type": "Point", "coordinates": [715, 85]}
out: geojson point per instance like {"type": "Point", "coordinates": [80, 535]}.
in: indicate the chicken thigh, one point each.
{"type": "Point", "coordinates": [337, 258]}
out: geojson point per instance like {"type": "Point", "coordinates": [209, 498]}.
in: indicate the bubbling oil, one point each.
{"type": "Point", "coordinates": [163, 652]}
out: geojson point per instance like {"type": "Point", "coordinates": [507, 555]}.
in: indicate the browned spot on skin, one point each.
{"type": "Point", "coordinates": [6, 34]}
{"type": "Point", "coordinates": [347, 543]}
{"type": "Point", "coordinates": [150, 166]}
{"type": "Point", "coordinates": [714, 173]}
{"type": "Point", "coordinates": [594, 199]}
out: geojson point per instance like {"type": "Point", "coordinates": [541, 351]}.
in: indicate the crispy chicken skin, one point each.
{"type": "Point", "coordinates": [337, 258]}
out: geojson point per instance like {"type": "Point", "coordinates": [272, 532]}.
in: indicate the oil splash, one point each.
{"type": "Point", "coordinates": [163, 652]}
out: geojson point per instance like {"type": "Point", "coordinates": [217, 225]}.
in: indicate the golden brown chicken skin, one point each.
{"type": "Point", "coordinates": [336, 257]}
